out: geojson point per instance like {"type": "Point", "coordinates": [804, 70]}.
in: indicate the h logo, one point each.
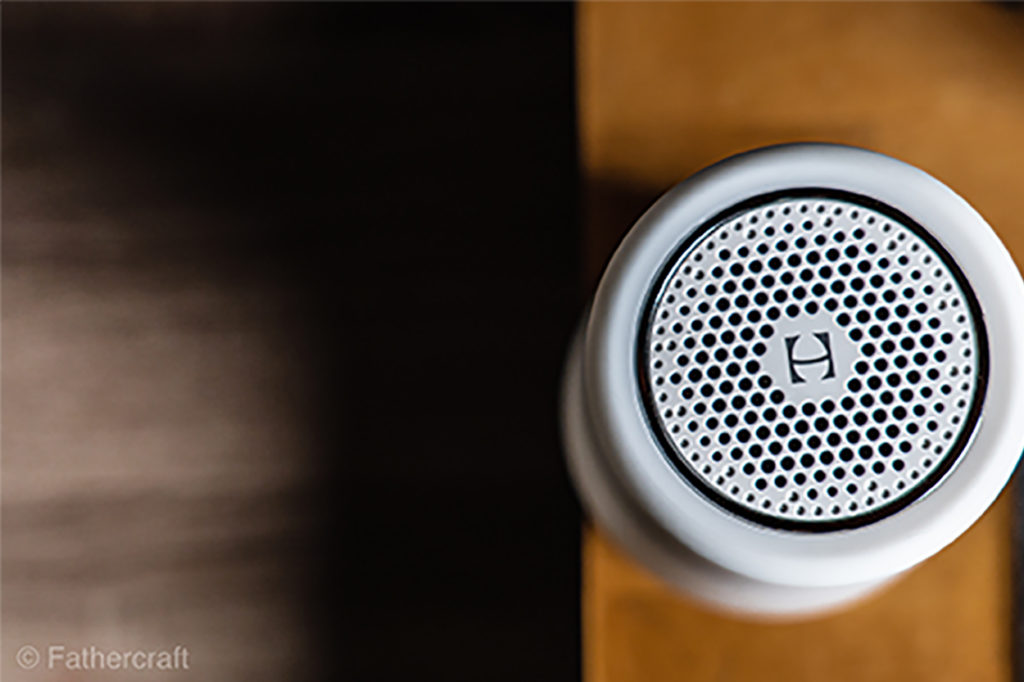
{"type": "Point", "coordinates": [822, 338]}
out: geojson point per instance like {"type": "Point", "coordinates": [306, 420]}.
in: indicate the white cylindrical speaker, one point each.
{"type": "Point", "coordinates": [801, 374]}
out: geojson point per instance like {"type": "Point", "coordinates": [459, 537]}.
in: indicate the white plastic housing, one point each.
{"type": "Point", "coordinates": [632, 490]}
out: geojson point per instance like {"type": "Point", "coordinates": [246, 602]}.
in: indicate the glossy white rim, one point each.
{"type": "Point", "coordinates": [843, 557]}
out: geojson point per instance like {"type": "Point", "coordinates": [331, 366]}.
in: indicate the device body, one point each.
{"type": "Point", "coordinates": [797, 379]}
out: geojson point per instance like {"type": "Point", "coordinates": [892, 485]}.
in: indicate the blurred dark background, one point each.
{"type": "Point", "coordinates": [286, 290]}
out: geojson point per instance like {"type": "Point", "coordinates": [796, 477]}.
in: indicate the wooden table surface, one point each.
{"type": "Point", "coordinates": [248, 359]}
{"type": "Point", "coordinates": [158, 463]}
{"type": "Point", "coordinates": [665, 89]}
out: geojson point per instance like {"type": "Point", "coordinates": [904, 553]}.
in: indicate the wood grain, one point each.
{"type": "Point", "coordinates": [665, 89]}
{"type": "Point", "coordinates": [159, 462]}
{"type": "Point", "coordinates": [244, 256]}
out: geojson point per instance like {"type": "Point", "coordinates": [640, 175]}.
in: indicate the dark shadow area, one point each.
{"type": "Point", "coordinates": [610, 208]}
{"type": "Point", "coordinates": [458, 543]}
{"type": "Point", "coordinates": [393, 189]}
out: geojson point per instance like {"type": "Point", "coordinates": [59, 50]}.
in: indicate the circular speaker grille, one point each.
{"type": "Point", "coordinates": [813, 362]}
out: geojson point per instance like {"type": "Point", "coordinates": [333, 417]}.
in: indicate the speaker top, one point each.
{"type": "Point", "coordinates": [812, 360]}
{"type": "Point", "coordinates": [804, 364]}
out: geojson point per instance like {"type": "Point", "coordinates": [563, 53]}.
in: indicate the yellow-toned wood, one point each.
{"type": "Point", "coordinates": [665, 89]}
{"type": "Point", "coordinates": [947, 620]}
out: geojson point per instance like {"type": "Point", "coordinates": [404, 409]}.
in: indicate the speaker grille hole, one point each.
{"type": "Point", "coordinates": [813, 362]}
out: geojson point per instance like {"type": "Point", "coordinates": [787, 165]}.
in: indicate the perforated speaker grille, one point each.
{"type": "Point", "coordinates": [812, 360]}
